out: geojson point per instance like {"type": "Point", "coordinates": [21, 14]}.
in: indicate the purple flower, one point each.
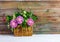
{"type": "Point", "coordinates": [19, 19]}
{"type": "Point", "coordinates": [30, 22]}
{"type": "Point", "coordinates": [13, 23]}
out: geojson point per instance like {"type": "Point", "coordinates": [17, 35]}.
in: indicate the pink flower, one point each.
{"type": "Point", "coordinates": [19, 19]}
{"type": "Point", "coordinates": [13, 23]}
{"type": "Point", "coordinates": [30, 22]}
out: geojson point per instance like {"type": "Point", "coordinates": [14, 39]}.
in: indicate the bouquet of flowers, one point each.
{"type": "Point", "coordinates": [21, 18]}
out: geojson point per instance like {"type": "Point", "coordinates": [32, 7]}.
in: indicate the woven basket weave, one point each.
{"type": "Point", "coordinates": [19, 31]}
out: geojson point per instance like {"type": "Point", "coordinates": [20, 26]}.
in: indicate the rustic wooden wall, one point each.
{"type": "Point", "coordinates": [48, 13]}
{"type": "Point", "coordinates": [29, 0]}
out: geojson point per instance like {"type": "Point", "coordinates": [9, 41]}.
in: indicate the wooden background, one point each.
{"type": "Point", "coordinates": [48, 13]}
{"type": "Point", "coordinates": [29, 0]}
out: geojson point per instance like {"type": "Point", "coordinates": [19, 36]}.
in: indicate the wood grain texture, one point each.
{"type": "Point", "coordinates": [48, 13]}
{"type": "Point", "coordinates": [29, 0]}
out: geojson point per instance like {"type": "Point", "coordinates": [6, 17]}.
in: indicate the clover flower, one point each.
{"type": "Point", "coordinates": [30, 22]}
{"type": "Point", "coordinates": [13, 23]}
{"type": "Point", "coordinates": [19, 19]}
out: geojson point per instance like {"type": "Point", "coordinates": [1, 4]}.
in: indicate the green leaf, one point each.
{"type": "Point", "coordinates": [12, 29]}
{"type": "Point", "coordinates": [24, 12]}
{"type": "Point", "coordinates": [8, 18]}
{"type": "Point", "coordinates": [17, 14]}
{"type": "Point", "coordinates": [34, 17]}
{"type": "Point", "coordinates": [28, 14]}
{"type": "Point", "coordinates": [24, 23]}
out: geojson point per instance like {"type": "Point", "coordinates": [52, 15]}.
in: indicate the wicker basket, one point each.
{"type": "Point", "coordinates": [19, 31]}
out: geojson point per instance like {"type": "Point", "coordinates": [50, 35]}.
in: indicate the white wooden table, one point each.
{"type": "Point", "coordinates": [34, 38]}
